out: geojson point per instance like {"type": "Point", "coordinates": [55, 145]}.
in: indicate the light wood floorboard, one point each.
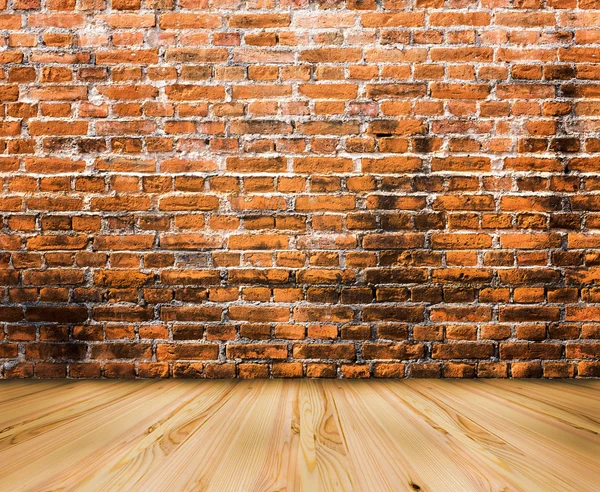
{"type": "Point", "coordinates": [428, 435]}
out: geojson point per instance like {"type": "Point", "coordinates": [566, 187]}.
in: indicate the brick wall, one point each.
{"type": "Point", "coordinates": [322, 188]}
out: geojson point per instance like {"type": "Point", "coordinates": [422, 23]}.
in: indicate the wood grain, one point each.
{"type": "Point", "coordinates": [265, 435]}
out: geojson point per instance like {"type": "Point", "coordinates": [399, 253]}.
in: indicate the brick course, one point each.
{"type": "Point", "coordinates": [287, 188]}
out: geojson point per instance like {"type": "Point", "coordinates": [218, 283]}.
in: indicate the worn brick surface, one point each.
{"type": "Point", "coordinates": [288, 188]}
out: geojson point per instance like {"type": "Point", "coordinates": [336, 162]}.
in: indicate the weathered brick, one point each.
{"type": "Point", "coordinates": [364, 189]}
{"type": "Point", "coordinates": [188, 351]}
{"type": "Point", "coordinates": [257, 351]}
{"type": "Point", "coordinates": [462, 350]}
{"type": "Point", "coordinates": [343, 351]}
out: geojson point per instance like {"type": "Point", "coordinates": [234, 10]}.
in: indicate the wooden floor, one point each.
{"type": "Point", "coordinates": [300, 435]}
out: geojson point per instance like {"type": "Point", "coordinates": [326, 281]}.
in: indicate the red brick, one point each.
{"type": "Point", "coordinates": [324, 351]}
{"type": "Point", "coordinates": [364, 189]}
{"type": "Point", "coordinates": [188, 351]}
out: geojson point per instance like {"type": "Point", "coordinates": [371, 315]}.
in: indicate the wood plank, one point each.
{"type": "Point", "coordinates": [129, 458]}
{"type": "Point", "coordinates": [323, 459]}
{"type": "Point", "coordinates": [304, 435]}
{"type": "Point", "coordinates": [537, 449]}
